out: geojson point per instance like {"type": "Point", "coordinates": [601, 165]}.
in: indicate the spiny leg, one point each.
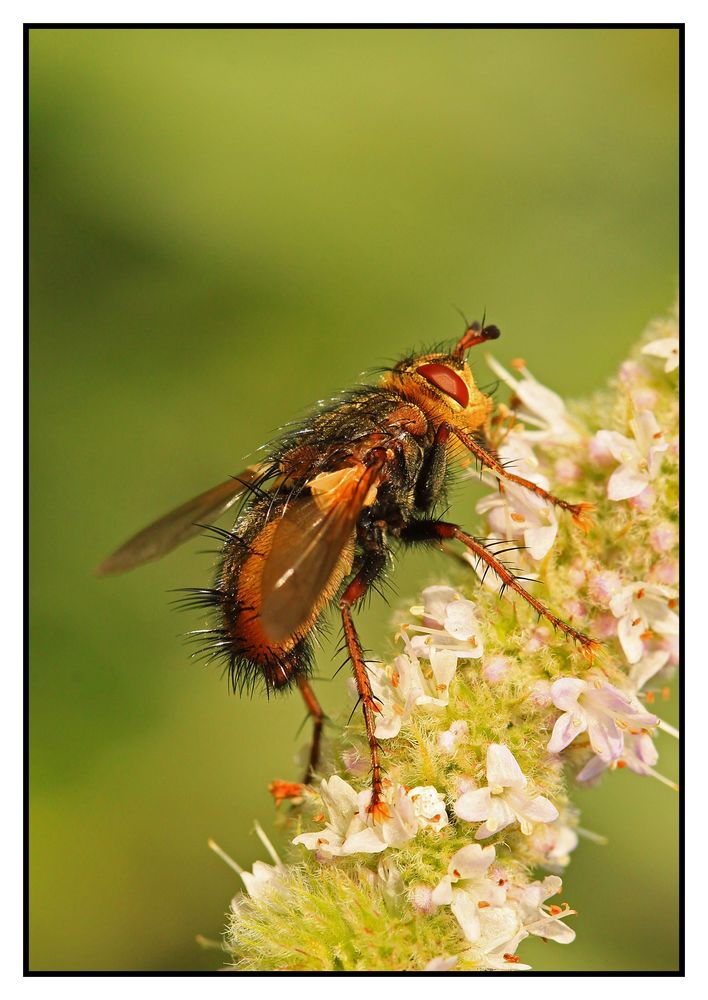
{"type": "Point", "coordinates": [315, 710]}
{"type": "Point", "coordinates": [579, 511]}
{"type": "Point", "coordinates": [355, 590]}
{"type": "Point", "coordinates": [422, 531]}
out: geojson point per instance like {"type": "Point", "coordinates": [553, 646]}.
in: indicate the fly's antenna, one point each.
{"type": "Point", "coordinates": [464, 318]}
{"type": "Point", "coordinates": [476, 333]}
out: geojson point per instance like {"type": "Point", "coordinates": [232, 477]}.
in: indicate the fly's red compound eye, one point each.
{"type": "Point", "coordinates": [448, 381]}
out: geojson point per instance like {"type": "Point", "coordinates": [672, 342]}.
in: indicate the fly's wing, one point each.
{"type": "Point", "coordinates": [307, 544]}
{"type": "Point", "coordinates": [179, 525]}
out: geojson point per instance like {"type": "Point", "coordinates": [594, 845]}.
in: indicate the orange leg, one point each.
{"type": "Point", "coordinates": [420, 531]}
{"type": "Point", "coordinates": [579, 511]}
{"type": "Point", "coordinates": [355, 590]}
{"type": "Point", "coordinates": [315, 710]}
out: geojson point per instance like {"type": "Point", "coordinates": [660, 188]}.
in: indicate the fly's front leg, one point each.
{"type": "Point", "coordinates": [427, 531]}
{"type": "Point", "coordinates": [432, 476]}
{"type": "Point", "coordinates": [373, 564]}
{"type": "Point", "coordinates": [579, 511]}
{"type": "Point", "coordinates": [315, 710]}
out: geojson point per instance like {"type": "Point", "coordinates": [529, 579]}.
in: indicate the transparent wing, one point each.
{"type": "Point", "coordinates": [179, 525]}
{"type": "Point", "coordinates": [307, 544]}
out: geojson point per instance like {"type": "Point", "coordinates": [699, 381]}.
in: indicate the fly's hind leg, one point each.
{"type": "Point", "coordinates": [283, 791]}
{"type": "Point", "coordinates": [370, 568]}
{"type": "Point", "coordinates": [315, 710]}
{"type": "Point", "coordinates": [427, 531]}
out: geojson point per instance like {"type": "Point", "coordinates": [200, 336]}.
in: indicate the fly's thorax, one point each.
{"type": "Point", "coordinates": [443, 387]}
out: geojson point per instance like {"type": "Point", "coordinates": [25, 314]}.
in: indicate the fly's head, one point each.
{"type": "Point", "coordinates": [442, 384]}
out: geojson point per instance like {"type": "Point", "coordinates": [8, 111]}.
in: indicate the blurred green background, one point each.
{"type": "Point", "coordinates": [225, 226]}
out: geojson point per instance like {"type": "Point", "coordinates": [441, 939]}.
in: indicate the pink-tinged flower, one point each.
{"type": "Point", "coordinates": [603, 585]}
{"type": "Point", "coordinates": [449, 623]}
{"type": "Point", "coordinates": [541, 409]}
{"type": "Point", "coordinates": [496, 669]}
{"type": "Point", "coordinates": [642, 608]}
{"type": "Point", "coordinates": [601, 710]}
{"type": "Point", "coordinates": [644, 398]}
{"type": "Point", "coordinates": [540, 693]}
{"type": "Point", "coordinates": [544, 921]}
{"type": "Point", "coordinates": [354, 760]}
{"type": "Point", "coordinates": [505, 800]}
{"type": "Point", "coordinates": [666, 348]}
{"type": "Point", "coordinates": [451, 738]}
{"type": "Point", "coordinates": [352, 830]}
{"type": "Point", "coordinates": [604, 626]}
{"type": "Point", "coordinates": [662, 537]}
{"type": "Point", "coordinates": [567, 472]}
{"type": "Point", "coordinates": [539, 638]}
{"type": "Point", "coordinates": [639, 755]}
{"type": "Point", "coordinates": [421, 897]}
{"type": "Point", "coordinates": [631, 373]}
{"type": "Point", "coordinates": [639, 456]}
{"type": "Point", "coordinates": [575, 609]}
{"type": "Point", "coordinates": [644, 501]}
{"type": "Point", "coordinates": [665, 571]}
{"type": "Point", "coordinates": [577, 574]}
{"type": "Point", "coordinates": [599, 454]}
{"type": "Point", "coordinates": [556, 842]}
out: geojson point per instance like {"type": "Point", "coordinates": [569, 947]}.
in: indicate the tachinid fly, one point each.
{"type": "Point", "coordinates": [320, 512]}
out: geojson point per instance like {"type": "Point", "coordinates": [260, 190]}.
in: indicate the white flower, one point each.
{"type": "Point", "coordinates": [451, 738]}
{"type": "Point", "coordinates": [514, 512]}
{"type": "Point", "coordinates": [639, 456]}
{"type": "Point", "coordinates": [449, 624]}
{"type": "Point", "coordinates": [352, 830]}
{"type": "Point", "coordinates": [502, 928]}
{"type": "Point", "coordinates": [342, 805]}
{"type": "Point", "coordinates": [545, 921]}
{"type": "Point", "coordinates": [263, 879]}
{"type": "Point", "coordinates": [667, 348]}
{"type": "Point", "coordinates": [405, 683]}
{"type": "Point", "coordinates": [387, 879]}
{"type": "Point", "coordinates": [501, 932]}
{"type": "Point", "coordinates": [641, 608]}
{"type": "Point", "coordinates": [648, 667]}
{"type": "Point", "coordinates": [505, 799]}
{"type": "Point", "coordinates": [429, 807]}
{"type": "Point", "coordinates": [599, 708]}
{"type": "Point", "coordinates": [540, 407]}
{"type": "Point", "coordinates": [442, 964]}
{"type": "Point", "coordinates": [468, 889]}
